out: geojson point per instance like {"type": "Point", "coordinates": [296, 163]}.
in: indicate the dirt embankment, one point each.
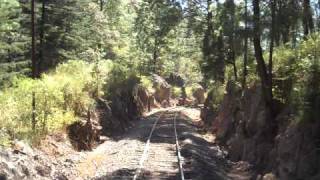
{"type": "Point", "coordinates": [287, 151]}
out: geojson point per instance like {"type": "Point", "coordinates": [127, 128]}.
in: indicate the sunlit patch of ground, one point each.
{"type": "Point", "coordinates": [193, 114]}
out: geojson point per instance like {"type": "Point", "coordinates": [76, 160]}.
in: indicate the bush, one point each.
{"type": "Point", "coordinates": [216, 94]}
{"type": "Point", "coordinates": [176, 92]}
{"type": "Point", "coordinates": [147, 83]}
{"type": "Point", "coordinates": [295, 71]}
{"type": "Point", "coordinates": [61, 97]}
{"type": "Point", "coordinates": [190, 89]}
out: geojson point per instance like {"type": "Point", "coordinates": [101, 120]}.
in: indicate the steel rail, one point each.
{"type": "Point", "coordinates": [178, 148]}
{"type": "Point", "coordinates": [146, 149]}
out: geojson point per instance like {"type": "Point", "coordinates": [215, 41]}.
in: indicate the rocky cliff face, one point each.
{"type": "Point", "coordinates": [288, 150]}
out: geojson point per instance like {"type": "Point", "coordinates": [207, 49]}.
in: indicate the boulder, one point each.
{"type": "Point", "coordinates": [223, 123]}
{"type": "Point", "coordinates": [142, 96]}
{"type": "Point", "coordinates": [269, 176]}
{"type": "Point", "coordinates": [199, 94]}
{"type": "Point", "coordinates": [21, 147]}
{"type": "Point", "coordinates": [162, 89]}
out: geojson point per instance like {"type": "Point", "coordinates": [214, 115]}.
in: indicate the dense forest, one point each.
{"type": "Point", "coordinates": [60, 58]}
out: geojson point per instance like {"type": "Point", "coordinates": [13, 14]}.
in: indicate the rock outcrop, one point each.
{"type": "Point", "coordinates": [199, 94]}
{"type": "Point", "coordinates": [241, 125]}
{"type": "Point", "coordinates": [162, 90]}
{"type": "Point", "coordinates": [14, 169]}
{"type": "Point", "coordinates": [22, 162]}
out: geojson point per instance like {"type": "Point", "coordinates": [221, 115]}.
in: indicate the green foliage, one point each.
{"type": "Point", "coordinates": [182, 55]}
{"type": "Point", "coordinates": [296, 75]}
{"type": "Point", "coordinates": [147, 83]}
{"type": "Point", "coordinates": [61, 97]}
{"type": "Point", "coordinates": [118, 75]}
{"type": "Point", "coordinates": [216, 94]}
{"type": "Point", "coordinates": [13, 42]}
{"type": "Point", "coordinates": [176, 92]}
{"type": "Point", "coordinates": [155, 19]}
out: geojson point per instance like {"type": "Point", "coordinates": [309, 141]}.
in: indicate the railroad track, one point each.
{"type": "Point", "coordinates": [161, 157]}
{"type": "Point", "coordinates": [151, 151]}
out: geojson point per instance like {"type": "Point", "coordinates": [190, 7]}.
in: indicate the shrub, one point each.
{"type": "Point", "coordinates": [61, 97]}
{"type": "Point", "coordinates": [176, 92]}
{"type": "Point", "coordinates": [216, 93]}
{"type": "Point", "coordinates": [147, 83]}
{"type": "Point", "coordinates": [190, 89]}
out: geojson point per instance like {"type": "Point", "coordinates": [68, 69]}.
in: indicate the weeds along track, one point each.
{"type": "Point", "coordinates": [161, 157]}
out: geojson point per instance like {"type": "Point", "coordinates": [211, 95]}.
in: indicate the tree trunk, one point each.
{"type": "Point", "coordinates": [245, 56]}
{"type": "Point", "coordinates": [41, 36]}
{"type": "Point", "coordinates": [101, 5]}
{"type": "Point", "coordinates": [279, 15]}
{"type": "Point", "coordinates": [209, 16]}
{"type": "Point", "coordinates": [308, 24]}
{"type": "Point", "coordinates": [34, 62]}
{"type": "Point", "coordinates": [272, 30]}
{"type": "Point", "coordinates": [233, 55]}
{"type": "Point", "coordinates": [155, 56]}
{"type": "Point", "coordinates": [33, 41]}
{"type": "Point", "coordinates": [318, 18]}
{"type": "Point", "coordinates": [235, 71]}
{"type": "Point", "coordinates": [262, 69]}
{"type": "Point", "coordinates": [207, 36]}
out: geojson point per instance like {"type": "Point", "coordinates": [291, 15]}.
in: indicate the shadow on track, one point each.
{"type": "Point", "coordinates": [202, 159]}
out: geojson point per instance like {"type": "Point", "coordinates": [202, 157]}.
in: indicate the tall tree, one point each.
{"type": "Point", "coordinates": [245, 54]}
{"type": "Point", "coordinates": [318, 14]}
{"type": "Point", "coordinates": [101, 5]}
{"type": "Point", "coordinates": [272, 30]}
{"type": "Point", "coordinates": [41, 35]}
{"type": "Point", "coordinates": [213, 48]}
{"type": "Point", "coordinates": [308, 24]}
{"type": "Point", "coordinates": [154, 21]}
{"type": "Point", "coordinates": [262, 68]}
{"type": "Point", "coordinates": [228, 23]}
{"type": "Point", "coordinates": [34, 61]}
{"type": "Point", "coordinates": [287, 18]}
{"type": "Point", "coordinates": [207, 40]}
{"type": "Point", "coordinates": [14, 41]}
